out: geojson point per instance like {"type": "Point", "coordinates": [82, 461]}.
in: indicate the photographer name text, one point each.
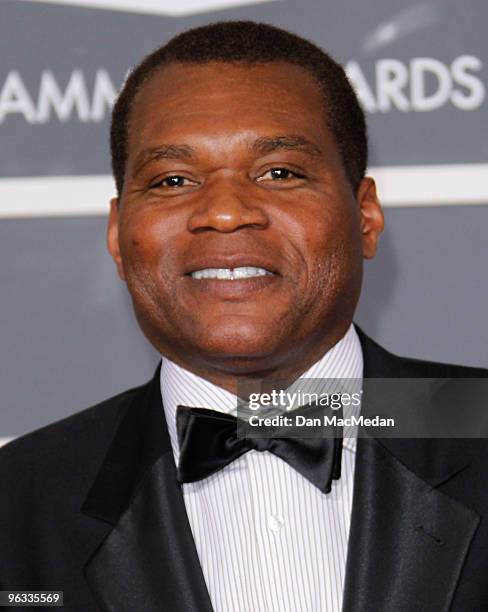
{"type": "Point", "coordinates": [323, 421]}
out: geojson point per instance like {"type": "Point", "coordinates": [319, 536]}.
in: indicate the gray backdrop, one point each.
{"type": "Point", "coordinates": [68, 335]}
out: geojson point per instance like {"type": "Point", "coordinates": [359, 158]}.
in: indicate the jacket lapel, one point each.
{"type": "Point", "coordinates": [408, 540]}
{"type": "Point", "coordinates": [148, 561]}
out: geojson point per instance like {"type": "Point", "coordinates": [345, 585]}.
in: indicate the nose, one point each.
{"type": "Point", "coordinates": [227, 205]}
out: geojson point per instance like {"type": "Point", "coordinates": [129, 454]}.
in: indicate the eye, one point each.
{"type": "Point", "coordinates": [279, 174]}
{"type": "Point", "coordinates": [175, 180]}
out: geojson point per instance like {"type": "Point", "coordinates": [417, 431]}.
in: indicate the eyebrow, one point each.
{"type": "Point", "coordinates": [165, 151]}
{"type": "Point", "coordinates": [287, 143]}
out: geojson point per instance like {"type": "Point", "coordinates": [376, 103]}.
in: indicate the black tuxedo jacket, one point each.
{"type": "Point", "coordinates": [91, 506]}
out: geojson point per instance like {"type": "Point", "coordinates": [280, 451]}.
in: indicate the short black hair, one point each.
{"type": "Point", "coordinates": [250, 42]}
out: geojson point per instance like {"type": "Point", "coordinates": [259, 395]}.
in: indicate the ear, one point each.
{"type": "Point", "coordinates": [372, 219]}
{"type": "Point", "coordinates": [113, 236]}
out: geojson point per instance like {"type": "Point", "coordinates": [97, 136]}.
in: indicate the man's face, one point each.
{"type": "Point", "coordinates": [232, 171]}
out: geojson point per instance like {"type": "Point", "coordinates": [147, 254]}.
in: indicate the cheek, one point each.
{"type": "Point", "coordinates": [330, 233]}
{"type": "Point", "coordinates": [146, 257]}
{"type": "Point", "coordinates": [334, 255]}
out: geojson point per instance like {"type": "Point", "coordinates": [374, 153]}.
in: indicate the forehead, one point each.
{"type": "Point", "coordinates": [181, 100]}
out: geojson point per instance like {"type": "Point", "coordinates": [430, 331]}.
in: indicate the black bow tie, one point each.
{"type": "Point", "coordinates": [208, 442]}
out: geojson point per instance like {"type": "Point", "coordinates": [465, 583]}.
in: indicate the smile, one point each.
{"type": "Point", "coordinates": [240, 273]}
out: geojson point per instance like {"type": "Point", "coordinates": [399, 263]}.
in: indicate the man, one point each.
{"type": "Point", "coordinates": [242, 218]}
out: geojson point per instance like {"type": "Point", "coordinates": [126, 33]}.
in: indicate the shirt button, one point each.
{"type": "Point", "coordinates": [275, 522]}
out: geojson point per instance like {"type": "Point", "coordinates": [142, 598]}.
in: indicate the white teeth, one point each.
{"type": "Point", "coordinates": [230, 273]}
{"type": "Point", "coordinates": [224, 273]}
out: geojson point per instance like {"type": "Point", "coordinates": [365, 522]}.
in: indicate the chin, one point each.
{"type": "Point", "coordinates": [241, 342]}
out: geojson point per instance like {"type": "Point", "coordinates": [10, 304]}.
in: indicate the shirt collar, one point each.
{"type": "Point", "coordinates": [180, 386]}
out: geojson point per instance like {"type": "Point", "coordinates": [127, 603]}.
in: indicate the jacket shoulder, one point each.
{"type": "Point", "coordinates": [381, 363]}
{"type": "Point", "coordinates": [45, 539]}
{"type": "Point", "coordinates": [63, 454]}
{"type": "Point", "coordinates": [436, 369]}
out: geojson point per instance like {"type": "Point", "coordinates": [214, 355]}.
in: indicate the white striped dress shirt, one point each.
{"type": "Point", "coordinates": [268, 540]}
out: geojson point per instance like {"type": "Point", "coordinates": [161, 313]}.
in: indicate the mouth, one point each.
{"type": "Point", "coordinates": [239, 266]}
{"type": "Point", "coordinates": [231, 278]}
{"type": "Point", "coordinates": [231, 274]}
